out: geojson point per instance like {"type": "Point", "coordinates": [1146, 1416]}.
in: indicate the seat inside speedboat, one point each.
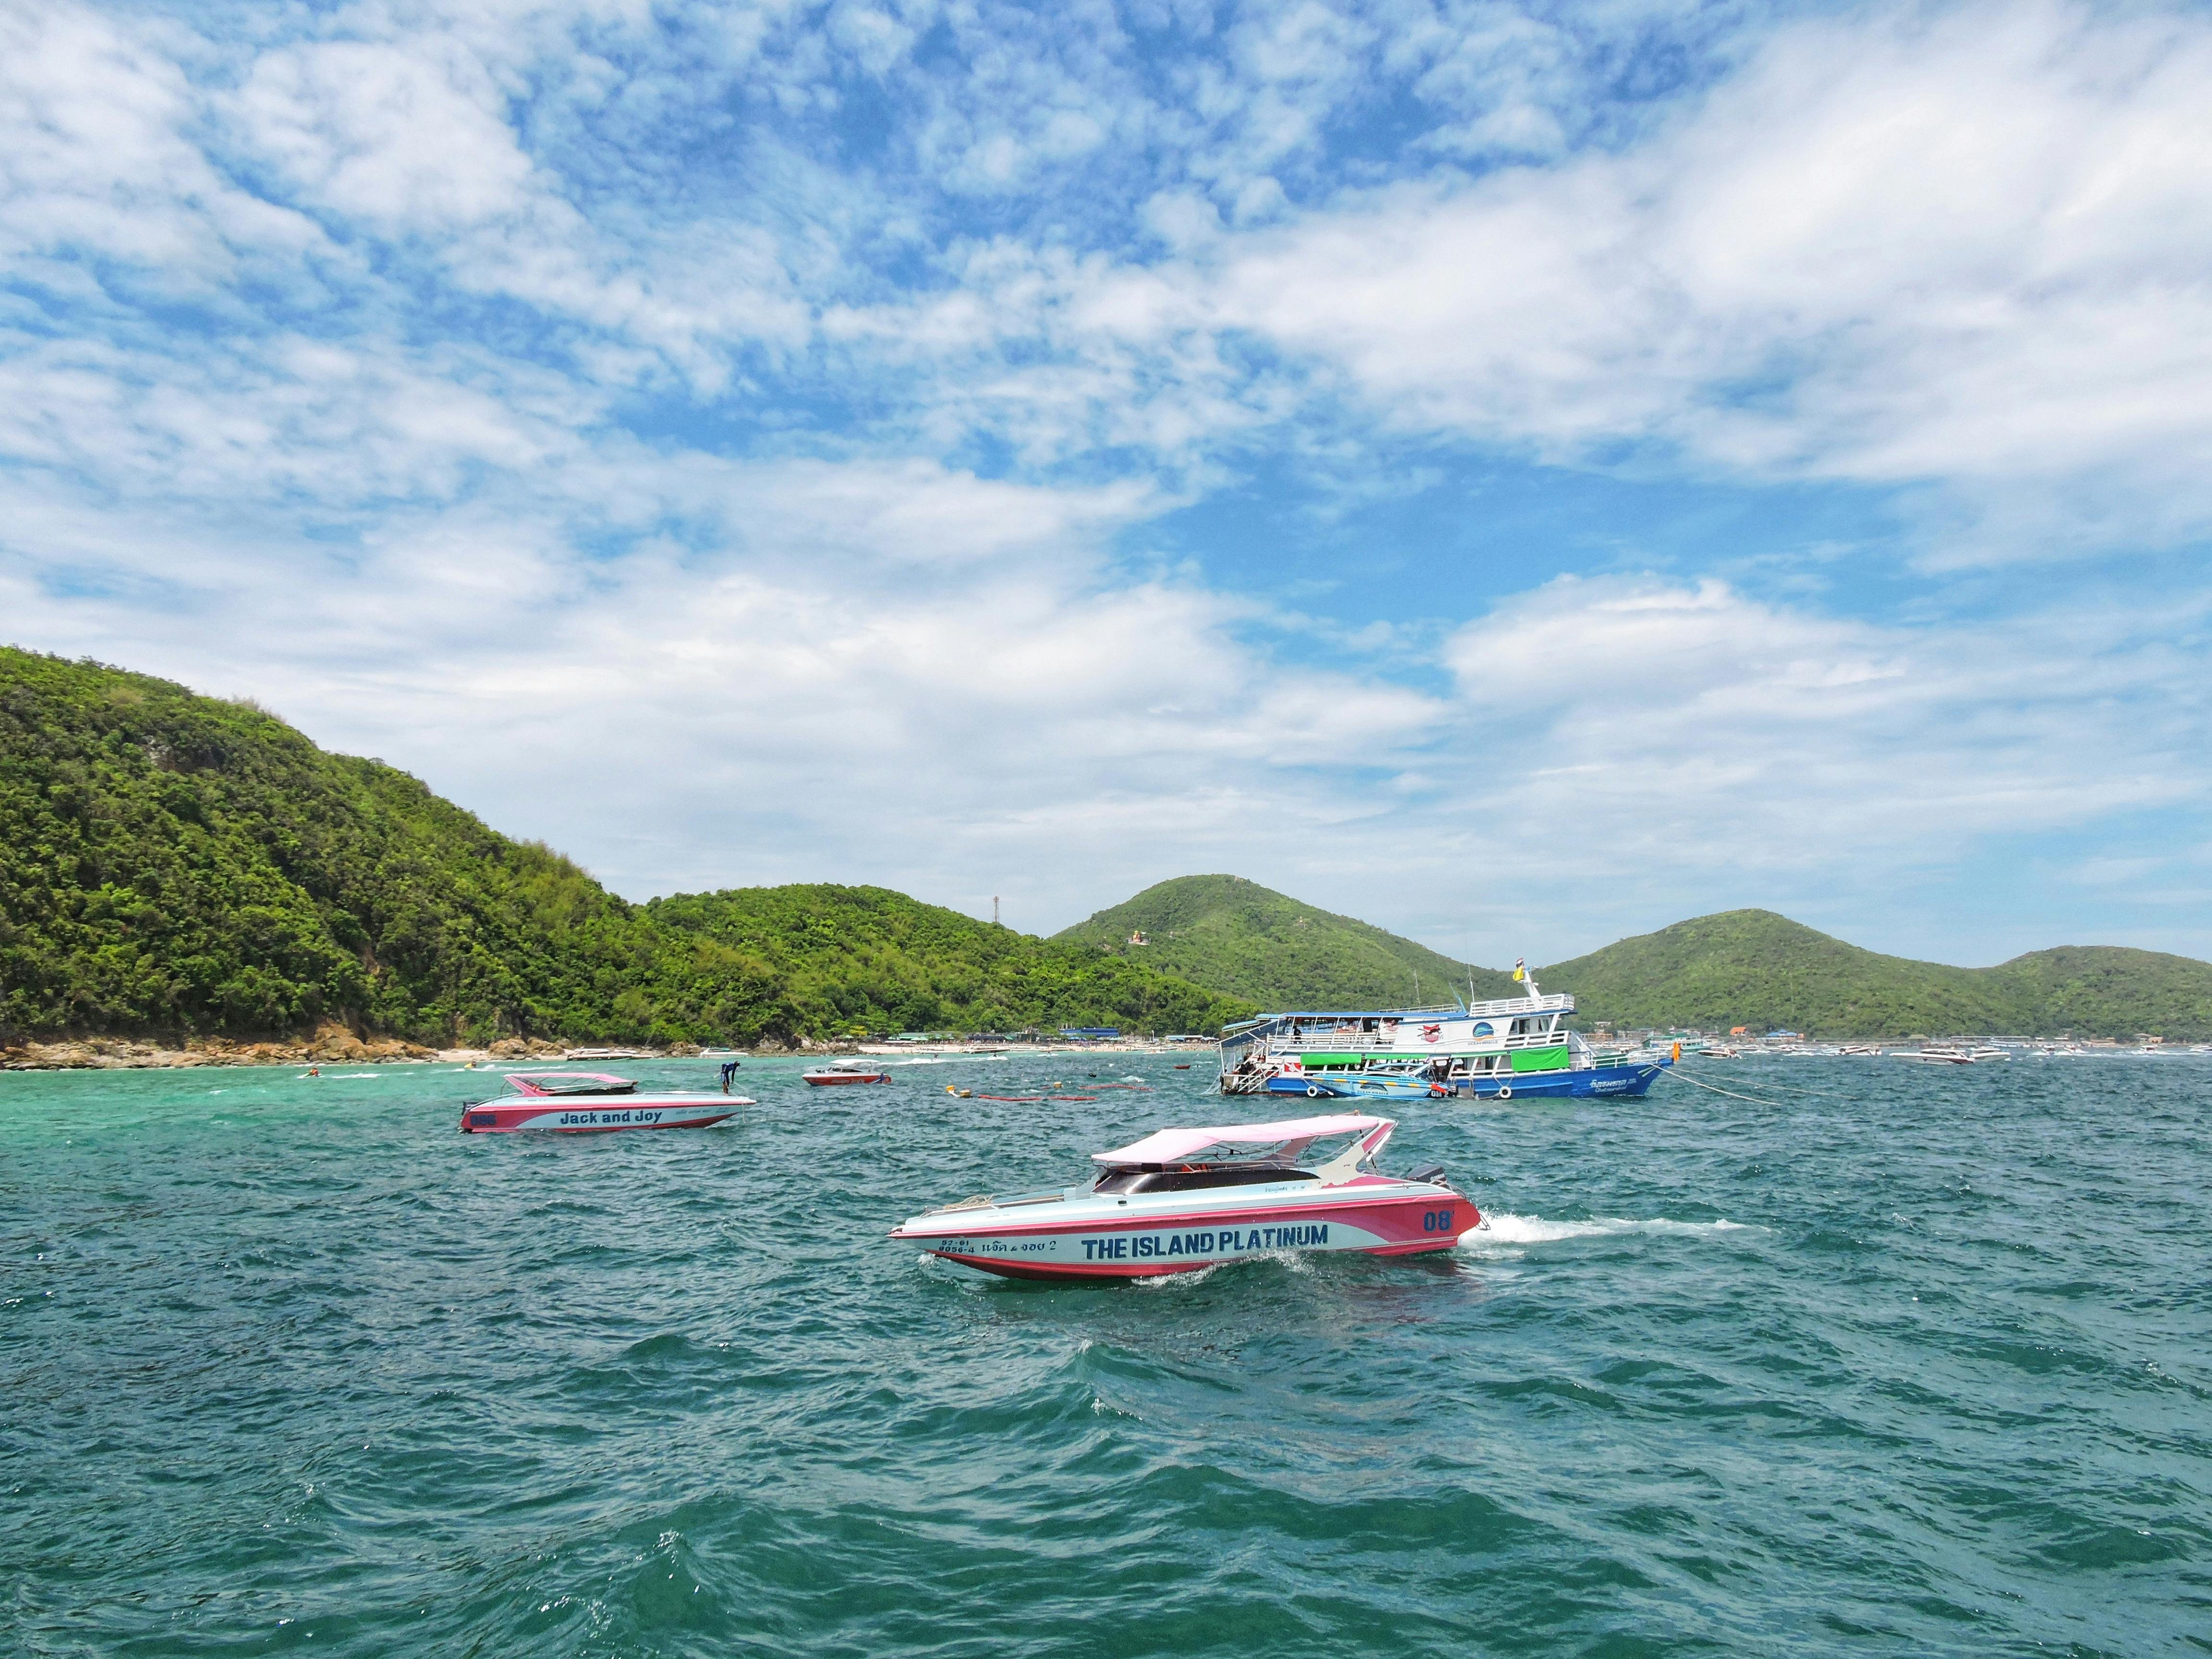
{"type": "Point", "coordinates": [1194, 1177]}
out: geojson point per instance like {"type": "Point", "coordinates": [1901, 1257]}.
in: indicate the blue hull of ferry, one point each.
{"type": "Point", "coordinates": [1596, 1082]}
{"type": "Point", "coordinates": [1355, 1087]}
{"type": "Point", "coordinates": [1599, 1082]}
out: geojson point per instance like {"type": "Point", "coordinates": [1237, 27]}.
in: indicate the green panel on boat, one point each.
{"type": "Point", "coordinates": [1328, 1060]}
{"type": "Point", "coordinates": [1540, 1059]}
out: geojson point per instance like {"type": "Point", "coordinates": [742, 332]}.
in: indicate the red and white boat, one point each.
{"type": "Point", "coordinates": [591, 1102]}
{"type": "Point", "coordinates": [845, 1071]}
{"type": "Point", "coordinates": [1185, 1198]}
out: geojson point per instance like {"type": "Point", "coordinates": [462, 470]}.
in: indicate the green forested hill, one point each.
{"type": "Point", "coordinates": [2102, 990]}
{"type": "Point", "coordinates": [171, 864]}
{"type": "Point", "coordinates": [174, 865]}
{"type": "Point", "coordinates": [866, 958]}
{"type": "Point", "coordinates": [1245, 940]}
{"type": "Point", "coordinates": [1754, 968]}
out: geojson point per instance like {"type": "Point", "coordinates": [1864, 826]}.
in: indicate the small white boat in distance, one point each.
{"type": "Point", "coordinates": [845, 1071]}
{"type": "Point", "coordinates": [591, 1102]}
{"type": "Point", "coordinates": [1954, 1053]}
{"type": "Point", "coordinates": [1185, 1198]}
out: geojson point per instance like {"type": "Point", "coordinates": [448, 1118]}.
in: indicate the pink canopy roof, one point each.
{"type": "Point", "coordinates": [528, 1082]}
{"type": "Point", "coordinates": [1173, 1145]}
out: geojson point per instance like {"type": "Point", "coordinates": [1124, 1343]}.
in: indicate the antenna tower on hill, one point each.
{"type": "Point", "coordinates": [994, 909]}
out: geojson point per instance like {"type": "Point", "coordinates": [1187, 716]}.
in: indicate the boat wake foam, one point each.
{"type": "Point", "coordinates": [1296, 1261]}
{"type": "Point", "coordinates": [1502, 1227]}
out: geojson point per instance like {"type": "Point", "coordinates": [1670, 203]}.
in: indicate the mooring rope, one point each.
{"type": "Point", "coordinates": [1790, 1089]}
{"type": "Point", "coordinates": [1730, 1093]}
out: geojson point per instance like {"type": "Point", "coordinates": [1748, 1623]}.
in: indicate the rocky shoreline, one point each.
{"type": "Point", "coordinates": [332, 1045]}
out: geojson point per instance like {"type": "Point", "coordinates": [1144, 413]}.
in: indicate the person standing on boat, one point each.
{"type": "Point", "coordinates": [729, 1071]}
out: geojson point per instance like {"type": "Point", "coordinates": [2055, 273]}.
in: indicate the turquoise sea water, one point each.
{"type": "Point", "coordinates": [1920, 1363]}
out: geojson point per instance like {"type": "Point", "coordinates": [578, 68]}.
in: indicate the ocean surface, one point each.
{"type": "Point", "coordinates": [1890, 1360]}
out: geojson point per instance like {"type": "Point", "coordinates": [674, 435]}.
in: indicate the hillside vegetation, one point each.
{"type": "Point", "coordinates": [1244, 940]}
{"type": "Point", "coordinates": [865, 958]}
{"type": "Point", "coordinates": [1757, 969]}
{"type": "Point", "coordinates": [173, 865]}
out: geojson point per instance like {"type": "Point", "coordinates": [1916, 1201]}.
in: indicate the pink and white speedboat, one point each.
{"type": "Point", "coordinates": [1184, 1199]}
{"type": "Point", "coordinates": [591, 1102]}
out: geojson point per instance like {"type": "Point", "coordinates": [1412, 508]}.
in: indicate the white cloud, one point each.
{"type": "Point", "coordinates": [405, 140]}
{"type": "Point", "coordinates": [1970, 250]}
{"type": "Point", "coordinates": [94, 166]}
{"type": "Point", "coordinates": [1664, 735]}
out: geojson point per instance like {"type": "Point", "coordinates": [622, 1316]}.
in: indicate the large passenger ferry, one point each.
{"type": "Point", "coordinates": [1515, 1049]}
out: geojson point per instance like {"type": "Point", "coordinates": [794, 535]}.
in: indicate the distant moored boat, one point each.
{"type": "Point", "coordinates": [845, 1072]}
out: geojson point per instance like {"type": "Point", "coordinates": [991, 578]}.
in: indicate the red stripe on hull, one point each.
{"type": "Point", "coordinates": [1373, 1208]}
{"type": "Point", "coordinates": [1005, 1269]}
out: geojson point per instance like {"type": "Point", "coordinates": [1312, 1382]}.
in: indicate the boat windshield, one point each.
{"type": "Point", "coordinates": [1191, 1177]}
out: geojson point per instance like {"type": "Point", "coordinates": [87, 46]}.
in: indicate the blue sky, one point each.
{"type": "Point", "coordinates": [1521, 474]}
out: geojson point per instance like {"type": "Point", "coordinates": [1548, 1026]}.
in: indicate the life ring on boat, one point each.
{"type": "Point", "coordinates": [1505, 1091]}
{"type": "Point", "coordinates": [1313, 1091]}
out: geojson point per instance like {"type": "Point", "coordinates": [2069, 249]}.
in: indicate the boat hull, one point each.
{"type": "Point", "coordinates": [1596, 1082]}
{"type": "Point", "coordinates": [598, 1113]}
{"type": "Point", "coordinates": [1149, 1245]}
{"type": "Point", "coordinates": [1355, 1087]}
{"type": "Point", "coordinates": [830, 1079]}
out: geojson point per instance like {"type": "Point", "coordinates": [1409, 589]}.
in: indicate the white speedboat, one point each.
{"type": "Point", "coordinates": [845, 1071]}
{"type": "Point", "coordinates": [1184, 1199]}
{"type": "Point", "coordinates": [1956, 1053]}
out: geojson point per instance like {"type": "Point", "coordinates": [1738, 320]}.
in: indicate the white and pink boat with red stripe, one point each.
{"type": "Point", "coordinates": [1186, 1199]}
{"type": "Point", "coordinates": [591, 1102]}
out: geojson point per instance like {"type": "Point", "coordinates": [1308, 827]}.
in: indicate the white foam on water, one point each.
{"type": "Point", "coordinates": [1177, 1280]}
{"type": "Point", "coordinates": [1503, 1227]}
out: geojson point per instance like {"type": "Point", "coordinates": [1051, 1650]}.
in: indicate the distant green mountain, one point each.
{"type": "Point", "coordinates": [1749, 967]}
{"type": "Point", "coordinates": [1241, 939]}
{"type": "Point", "coordinates": [1757, 969]}
{"type": "Point", "coordinates": [2105, 990]}
{"type": "Point", "coordinates": [174, 865]}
